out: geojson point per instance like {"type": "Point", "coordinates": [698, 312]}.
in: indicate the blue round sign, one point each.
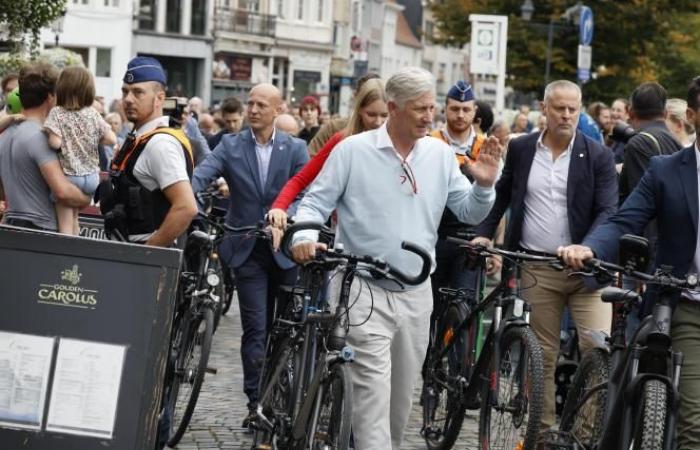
{"type": "Point", "coordinates": [586, 26]}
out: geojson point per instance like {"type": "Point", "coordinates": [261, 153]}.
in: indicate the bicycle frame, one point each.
{"type": "Point", "coordinates": [632, 366]}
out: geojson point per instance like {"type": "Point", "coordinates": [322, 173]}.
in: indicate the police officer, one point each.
{"type": "Point", "coordinates": [151, 199]}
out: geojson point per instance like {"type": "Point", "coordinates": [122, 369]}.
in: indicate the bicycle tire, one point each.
{"type": "Point", "coordinates": [229, 290]}
{"type": "Point", "coordinates": [651, 422]}
{"type": "Point", "coordinates": [190, 376]}
{"type": "Point", "coordinates": [437, 398]}
{"type": "Point", "coordinates": [334, 419]}
{"type": "Point", "coordinates": [525, 408]}
{"type": "Point", "coordinates": [219, 291]}
{"type": "Point", "coordinates": [584, 410]}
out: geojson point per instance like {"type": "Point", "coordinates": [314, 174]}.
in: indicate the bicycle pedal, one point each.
{"type": "Point", "coordinates": [211, 370]}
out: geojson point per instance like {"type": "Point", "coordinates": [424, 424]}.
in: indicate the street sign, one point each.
{"type": "Point", "coordinates": [585, 54]}
{"type": "Point", "coordinates": [488, 50]}
{"type": "Point", "coordinates": [586, 26]}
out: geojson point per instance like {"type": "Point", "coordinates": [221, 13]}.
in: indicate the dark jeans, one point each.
{"type": "Point", "coordinates": [25, 224]}
{"type": "Point", "coordinates": [258, 281]}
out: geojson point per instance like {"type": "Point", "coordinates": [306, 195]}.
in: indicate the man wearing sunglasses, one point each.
{"type": "Point", "coordinates": [391, 185]}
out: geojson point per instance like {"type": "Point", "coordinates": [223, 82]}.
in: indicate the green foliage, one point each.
{"type": "Point", "coordinates": [29, 16]}
{"type": "Point", "coordinates": [634, 41]}
{"type": "Point", "coordinates": [10, 63]}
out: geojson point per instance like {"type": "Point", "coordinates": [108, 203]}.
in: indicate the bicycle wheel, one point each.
{"type": "Point", "coordinates": [189, 374]}
{"type": "Point", "coordinates": [443, 409]}
{"type": "Point", "coordinates": [651, 421]}
{"type": "Point", "coordinates": [229, 289]}
{"type": "Point", "coordinates": [334, 418]}
{"type": "Point", "coordinates": [511, 419]}
{"type": "Point", "coordinates": [584, 408]}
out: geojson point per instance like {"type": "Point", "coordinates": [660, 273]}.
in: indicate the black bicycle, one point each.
{"type": "Point", "coordinates": [625, 393]}
{"type": "Point", "coordinates": [504, 379]}
{"type": "Point", "coordinates": [193, 324]}
{"type": "Point", "coordinates": [306, 389]}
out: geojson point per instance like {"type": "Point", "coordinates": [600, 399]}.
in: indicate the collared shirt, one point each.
{"type": "Point", "coordinates": [546, 222]}
{"type": "Point", "coordinates": [263, 153]}
{"type": "Point", "coordinates": [378, 208]}
{"type": "Point", "coordinates": [695, 267]}
{"type": "Point", "coordinates": [460, 148]}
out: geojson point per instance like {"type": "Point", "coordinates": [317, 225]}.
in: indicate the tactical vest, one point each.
{"type": "Point", "coordinates": [127, 206]}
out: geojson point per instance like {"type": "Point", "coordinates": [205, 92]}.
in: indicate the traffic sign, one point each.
{"type": "Point", "coordinates": [586, 26]}
{"type": "Point", "coordinates": [585, 54]}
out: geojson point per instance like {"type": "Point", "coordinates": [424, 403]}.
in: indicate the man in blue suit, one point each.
{"type": "Point", "coordinates": [668, 192]}
{"type": "Point", "coordinates": [255, 164]}
{"type": "Point", "coordinates": [559, 185]}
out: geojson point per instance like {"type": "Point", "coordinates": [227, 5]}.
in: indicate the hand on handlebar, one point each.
{"type": "Point", "coordinates": [277, 218]}
{"type": "Point", "coordinates": [223, 189]}
{"type": "Point", "coordinates": [493, 262]}
{"type": "Point", "coordinates": [575, 256]}
{"type": "Point", "coordinates": [276, 236]}
{"type": "Point", "coordinates": [304, 252]}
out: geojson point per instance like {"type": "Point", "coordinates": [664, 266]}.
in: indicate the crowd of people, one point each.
{"type": "Point", "coordinates": [390, 172]}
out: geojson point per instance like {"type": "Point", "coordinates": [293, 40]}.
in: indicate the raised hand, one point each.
{"type": "Point", "coordinates": [485, 169]}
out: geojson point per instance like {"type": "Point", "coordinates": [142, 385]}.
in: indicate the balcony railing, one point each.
{"type": "Point", "coordinates": [242, 21]}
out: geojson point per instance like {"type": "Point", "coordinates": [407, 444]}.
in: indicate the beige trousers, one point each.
{"type": "Point", "coordinates": [390, 346]}
{"type": "Point", "coordinates": [555, 290]}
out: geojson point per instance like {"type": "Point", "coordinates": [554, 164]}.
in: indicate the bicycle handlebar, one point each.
{"type": "Point", "coordinates": [520, 256]}
{"type": "Point", "coordinates": [661, 278]}
{"type": "Point", "coordinates": [379, 266]}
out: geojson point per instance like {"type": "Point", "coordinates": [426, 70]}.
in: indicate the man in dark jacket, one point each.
{"type": "Point", "coordinates": [559, 185]}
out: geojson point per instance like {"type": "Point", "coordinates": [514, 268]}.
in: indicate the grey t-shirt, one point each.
{"type": "Point", "coordinates": [23, 150]}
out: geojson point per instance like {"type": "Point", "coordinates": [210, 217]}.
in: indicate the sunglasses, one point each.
{"type": "Point", "coordinates": [408, 176]}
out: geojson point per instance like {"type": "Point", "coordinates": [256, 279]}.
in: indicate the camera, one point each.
{"type": "Point", "coordinates": [622, 132]}
{"type": "Point", "coordinates": [175, 108]}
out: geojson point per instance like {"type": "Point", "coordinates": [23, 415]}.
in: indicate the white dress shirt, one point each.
{"type": "Point", "coordinates": [263, 153]}
{"type": "Point", "coordinates": [546, 222]}
{"type": "Point", "coordinates": [460, 148]}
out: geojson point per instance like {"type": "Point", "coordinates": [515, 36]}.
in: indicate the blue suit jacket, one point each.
{"type": "Point", "coordinates": [591, 188]}
{"type": "Point", "coordinates": [235, 160]}
{"type": "Point", "coordinates": [668, 192]}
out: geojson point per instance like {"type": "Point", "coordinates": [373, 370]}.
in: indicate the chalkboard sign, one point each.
{"type": "Point", "coordinates": [84, 334]}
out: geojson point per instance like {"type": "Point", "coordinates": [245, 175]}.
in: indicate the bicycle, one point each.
{"type": "Point", "coordinates": [504, 379]}
{"type": "Point", "coordinates": [625, 394]}
{"type": "Point", "coordinates": [306, 388]}
{"type": "Point", "coordinates": [193, 324]}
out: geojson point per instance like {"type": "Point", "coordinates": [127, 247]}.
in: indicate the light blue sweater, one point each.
{"type": "Point", "coordinates": [364, 181]}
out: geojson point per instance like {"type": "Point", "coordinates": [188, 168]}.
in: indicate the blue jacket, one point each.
{"type": "Point", "coordinates": [591, 188]}
{"type": "Point", "coordinates": [668, 192]}
{"type": "Point", "coordinates": [235, 160]}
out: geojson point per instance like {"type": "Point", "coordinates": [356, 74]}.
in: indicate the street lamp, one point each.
{"type": "Point", "coordinates": [57, 25]}
{"type": "Point", "coordinates": [526, 11]}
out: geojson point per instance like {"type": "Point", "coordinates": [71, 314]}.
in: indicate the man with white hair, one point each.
{"type": "Point", "coordinates": [391, 185]}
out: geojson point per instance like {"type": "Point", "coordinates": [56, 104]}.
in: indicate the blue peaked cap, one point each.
{"type": "Point", "coordinates": [144, 68]}
{"type": "Point", "coordinates": [461, 91]}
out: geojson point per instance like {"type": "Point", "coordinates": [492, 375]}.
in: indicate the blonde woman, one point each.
{"type": "Point", "coordinates": [370, 113]}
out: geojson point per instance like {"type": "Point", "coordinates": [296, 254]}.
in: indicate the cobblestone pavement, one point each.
{"type": "Point", "coordinates": [222, 404]}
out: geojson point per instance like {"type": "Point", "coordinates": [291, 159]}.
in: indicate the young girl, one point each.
{"type": "Point", "coordinates": [75, 130]}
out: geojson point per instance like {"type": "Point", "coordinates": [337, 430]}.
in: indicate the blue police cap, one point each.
{"type": "Point", "coordinates": [461, 91]}
{"type": "Point", "coordinates": [144, 68]}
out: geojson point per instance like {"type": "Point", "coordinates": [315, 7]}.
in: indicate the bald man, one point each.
{"type": "Point", "coordinates": [287, 123]}
{"type": "Point", "coordinates": [256, 163]}
{"type": "Point", "coordinates": [207, 125]}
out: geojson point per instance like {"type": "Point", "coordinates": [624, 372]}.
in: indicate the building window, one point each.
{"type": "Point", "coordinates": [199, 17]}
{"type": "Point", "coordinates": [320, 10]}
{"type": "Point", "coordinates": [355, 16]}
{"type": "Point", "coordinates": [112, 3]}
{"type": "Point", "coordinates": [253, 5]}
{"type": "Point", "coordinates": [147, 14]}
{"type": "Point", "coordinates": [81, 2]}
{"type": "Point", "coordinates": [300, 10]}
{"type": "Point", "coordinates": [103, 63]}
{"type": "Point", "coordinates": [280, 9]}
{"type": "Point", "coordinates": [429, 30]}
{"type": "Point", "coordinates": [172, 19]}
